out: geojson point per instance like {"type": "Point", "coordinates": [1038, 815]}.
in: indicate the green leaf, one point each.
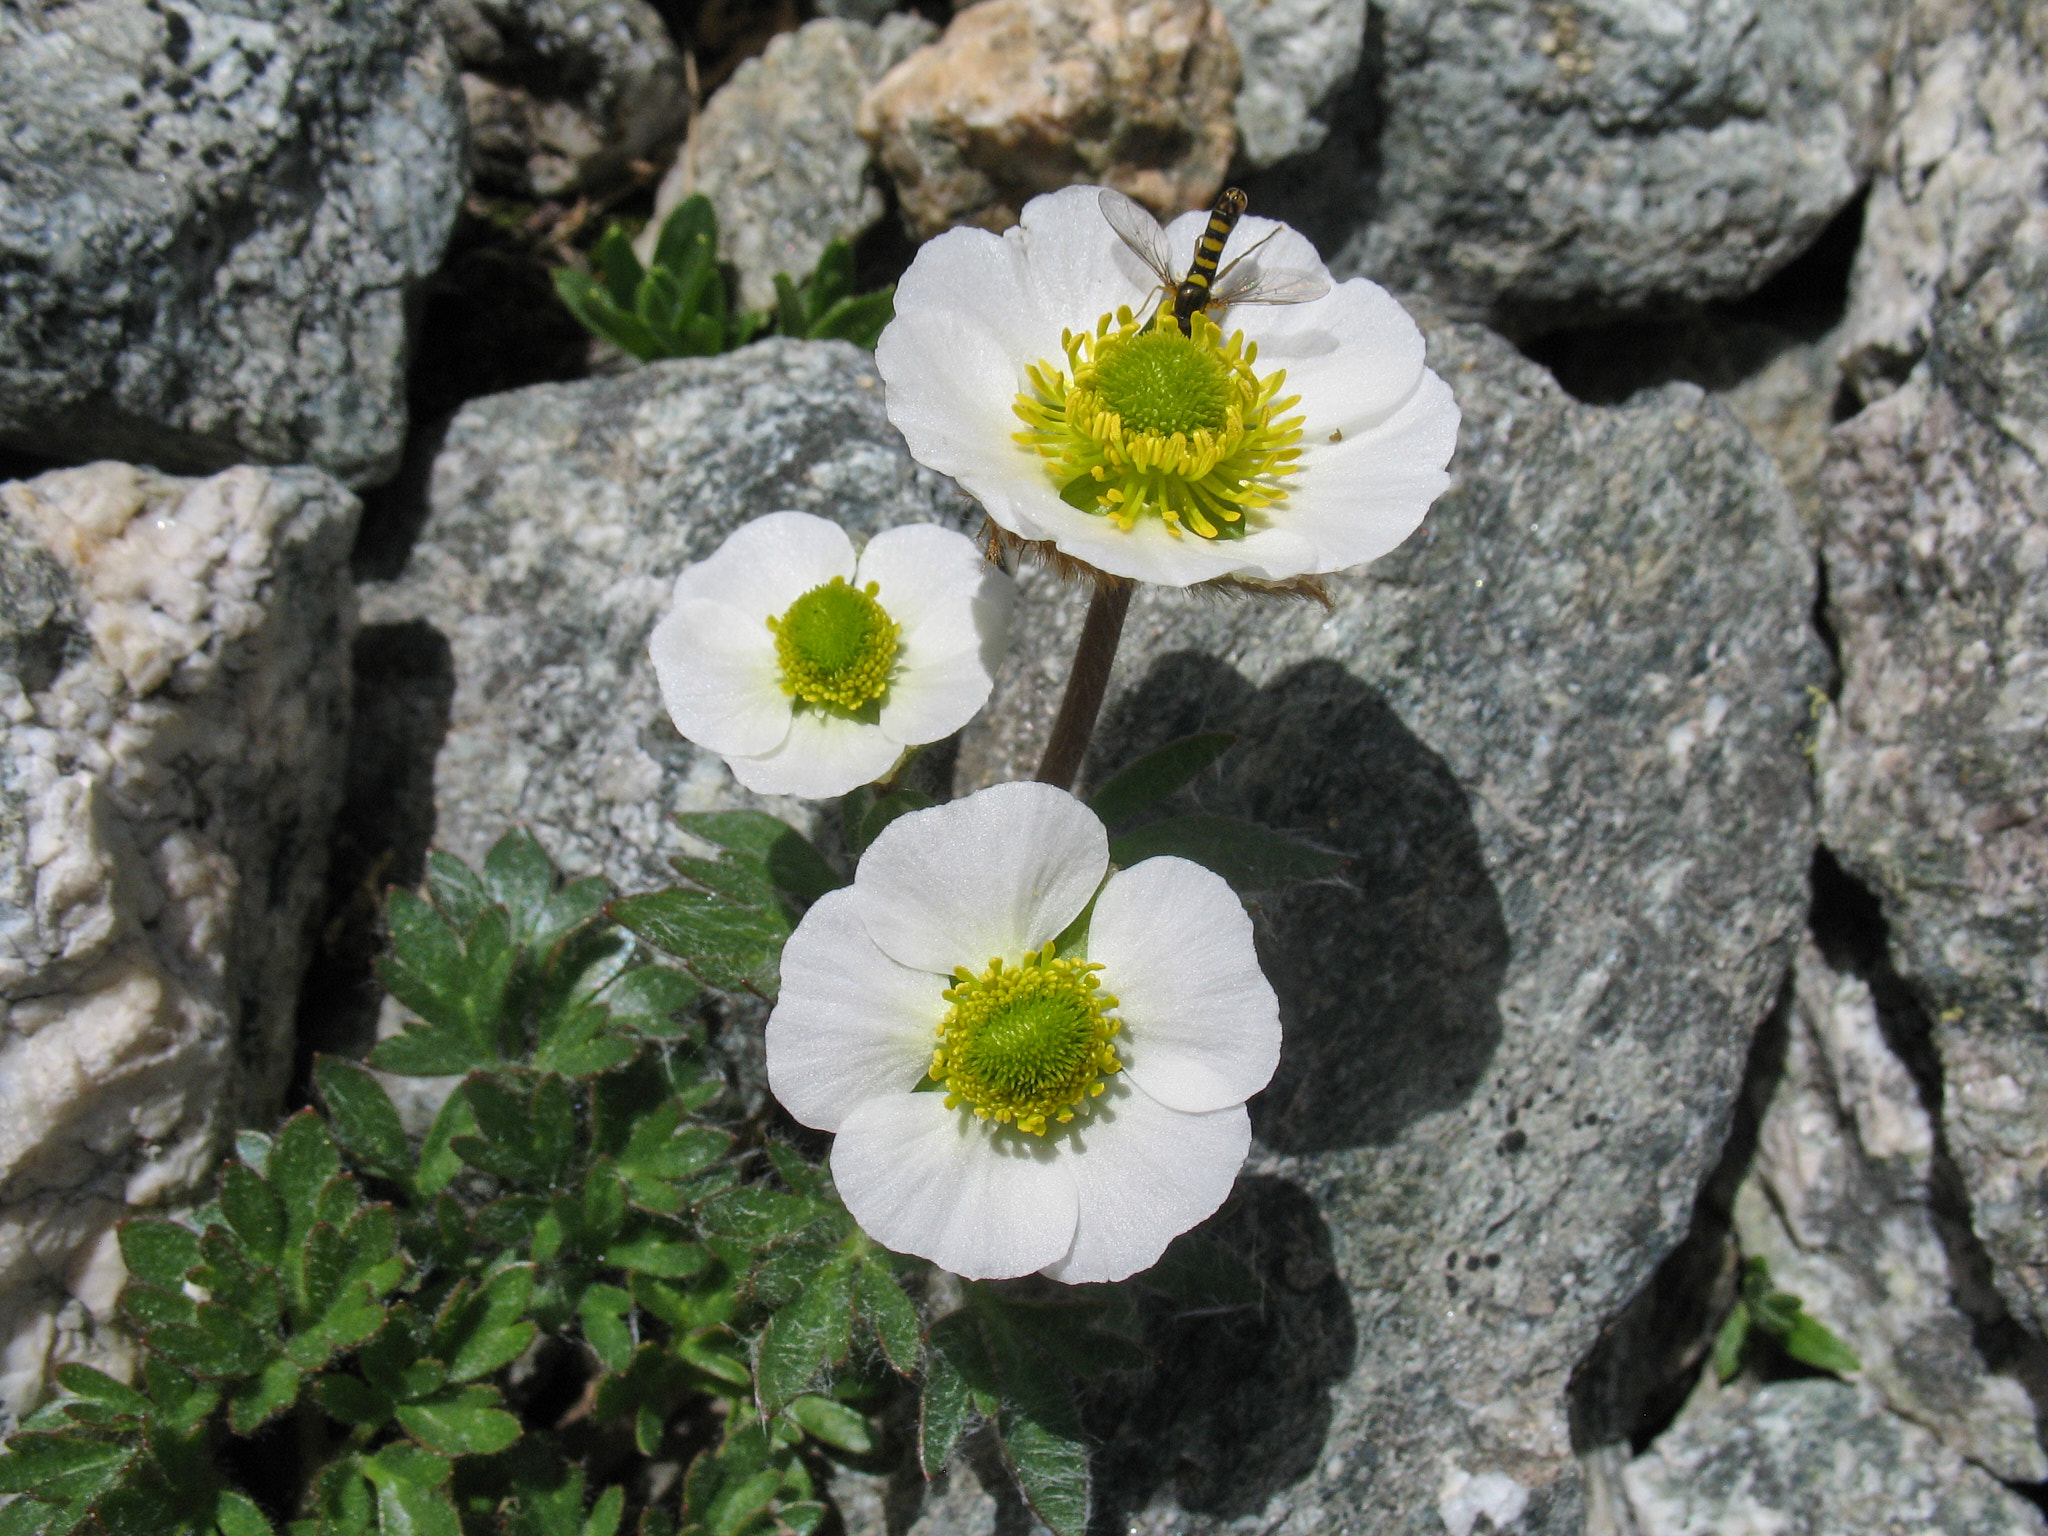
{"type": "Point", "coordinates": [521, 878]}
{"type": "Point", "coordinates": [96, 1386]}
{"type": "Point", "coordinates": [740, 1501]}
{"type": "Point", "coordinates": [301, 1164]}
{"type": "Point", "coordinates": [480, 1331]}
{"type": "Point", "coordinates": [412, 1496]}
{"type": "Point", "coordinates": [604, 1515]}
{"type": "Point", "coordinates": [832, 1422]}
{"type": "Point", "coordinates": [455, 983]}
{"type": "Point", "coordinates": [462, 1421]}
{"type": "Point", "coordinates": [756, 1215]}
{"type": "Point", "coordinates": [439, 1162]}
{"type": "Point", "coordinates": [61, 1466]}
{"type": "Point", "coordinates": [1810, 1343]}
{"type": "Point", "coordinates": [1775, 1312]}
{"type": "Point", "coordinates": [618, 266]}
{"type": "Point", "coordinates": [652, 1254]}
{"type": "Point", "coordinates": [160, 1253]}
{"type": "Point", "coordinates": [802, 1519]}
{"type": "Point", "coordinates": [792, 315]}
{"type": "Point", "coordinates": [236, 1514]}
{"type": "Point", "coordinates": [653, 1000]}
{"type": "Point", "coordinates": [253, 1148]}
{"type": "Point", "coordinates": [600, 314]}
{"type": "Point", "coordinates": [1728, 1343]}
{"type": "Point", "coordinates": [946, 1410]}
{"type": "Point", "coordinates": [362, 1116]}
{"type": "Point", "coordinates": [1051, 1464]}
{"type": "Point", "coordinates": [690, 222]}
{"type": "Point", "coordinates": [889, 1312]}
{"type": "Point", "coordinates": [252, 1209]}
{"type": "Point", "coordinates": [725, 945]}
{"type": "Point", "coordinates": [602, 1310]}
{"type": "Point", "coordinates": [860, 321]}
{"type": "Point", "coordinates": [803, 1338]}
{"type": "Point", "coordinates": [270, 1392]}
{"type": "Point", "coordinates": [1249, 856]}
{"type": "Point", "coordinates": [1143, 784]}
{"type": "Point", "coordinates": [1202, 1275]}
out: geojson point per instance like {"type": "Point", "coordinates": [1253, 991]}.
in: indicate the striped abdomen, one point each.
{"type": "Point", "coordinates": [1192, 294]}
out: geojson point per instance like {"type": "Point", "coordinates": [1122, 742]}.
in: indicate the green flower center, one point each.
{"type": "Point", "coordinates": [836, 646]}
{"type": "Point", "coordinates": [1152, 423]}
{"type": "Point", "coordinates": [1026, 1046]}
{"type": "Point", "coordinates": [1162, 382]}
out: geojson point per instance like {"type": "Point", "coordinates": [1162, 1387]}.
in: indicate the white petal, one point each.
{"type": "Point", "coordinates": [1358, 499]}
{"type": "Point", "coordinates": [995, 874]}
{"type": "Point", "coordinates": [719, 677]}
{"type": "Point", "coordinates": [1079, 265]}
{"type": "Point", "coordinates": [951, 385]}
{"type": "Point", "coordinates": [924, 1179]}
{"type": "Point", "coordinates": [972, 277]}
{"type": "Point", "coordinates": [1145, 1174]}
{"type": "Point", "coordinates": [850, 1024]}
{"type": "Point", "coordinates": [824, 755]}
{"type": "Point", "coordinates": [1147, 552]}
{"type": "Point", "coordinates": [922, 569]}
{"type": "Point", "coordinates": [1201, 1023]}
{"type": "Point", "coordinates": [1354, 355]}
{"type": "Point", "coordinates": [769, 563]}
{"type": "Point", "coordinates": [955, 611]}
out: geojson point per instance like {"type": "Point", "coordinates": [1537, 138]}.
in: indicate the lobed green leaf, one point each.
{"type": "Point", "coordinates": [1249, 856]}
{"type": "Point", "coordinates": [1140, 785]}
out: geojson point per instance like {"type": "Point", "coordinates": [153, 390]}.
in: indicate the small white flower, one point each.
{"type": "Point", "coordinates": [1277, 442]}
{"type": "Point", "coordinates": [810, 670]}
{"type": "Point", "coordinates": [1090, 1103]}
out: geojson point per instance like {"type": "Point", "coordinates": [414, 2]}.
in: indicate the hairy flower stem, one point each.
{"type": "Point", "coordinates": [1087, 682]}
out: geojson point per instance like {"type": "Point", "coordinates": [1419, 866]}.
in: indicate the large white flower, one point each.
{"type": "Point", "coordinates": [810, 670]}
{"type": "Point", "coordinates": [1089, 1102]}
{"type": "Point", "coordinates": [1012, 366]}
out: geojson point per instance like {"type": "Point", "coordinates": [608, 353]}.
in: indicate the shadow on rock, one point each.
{"type": "Point", "coordinates": [1388, 976]}
{"type": "Point", "coordinates": [404, 686]}
{"type": "Point", "coordinates": [1239, 1406]}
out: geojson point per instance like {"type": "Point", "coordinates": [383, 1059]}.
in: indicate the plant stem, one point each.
{"type": "Point", "coordinates": [1087, 683]}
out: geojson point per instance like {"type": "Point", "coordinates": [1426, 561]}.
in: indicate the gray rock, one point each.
{"type": "Point", "coordinates": [559, 517]}
{"type": "Point", "coordinates": [1547, 160]}
{"type": "Point", "coordinates": [776, 152]}
{"type": "Point", "coordinates": [1962, 168]}
{"type": "Point", "coordinates": [213, 219]}
{"type": "Point", "coordinates": [565, 94]}
{"type": "Point", "coordinates": [1814, 1458]}
{"type": "Point", "coordinates": [1297, 56]}
{"type": "Point", "coordinates": [1559, 736]}
{"type": "Point", "coordinates": [1933, 765]}
{"type": "Point", "coordinates": [174, 704]}
{"type": "Point", "coordinates": [1838, 1202]}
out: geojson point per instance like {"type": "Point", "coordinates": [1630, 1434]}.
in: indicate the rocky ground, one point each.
{"type": "Point", "coordinates": [1689, 764]}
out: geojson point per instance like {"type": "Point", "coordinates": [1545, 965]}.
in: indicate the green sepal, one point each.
{"type": "Point", "coordinates": [1249, 856]}
{"type": "Point", "coordinates": [1138, 786]}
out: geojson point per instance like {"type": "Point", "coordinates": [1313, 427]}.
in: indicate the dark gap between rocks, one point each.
{"type": "Point", "coordinates": [15, 465]}
{"type": "Point", "coordinates": [1849, 925]}
{"type": "Point", "coordinates": [1645, 1363]}
{"type": "Point", "coordinates": [404, 685]}
{"type": "Point", "coordinates": [1715, 345]}
{"type": "Point", "coordinates": [1333, 190]}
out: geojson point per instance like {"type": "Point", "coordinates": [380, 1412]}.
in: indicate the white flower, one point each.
{"type": "Point", "coordinates": [810, 670]}
{"type": "Point", "coordinates": [1268, 478]}
{"type": "Point", "coordinates": [1090, 1103]}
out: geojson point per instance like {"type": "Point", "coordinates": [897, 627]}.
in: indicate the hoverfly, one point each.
{"type": "Point", "coordinates": [1204, 288]}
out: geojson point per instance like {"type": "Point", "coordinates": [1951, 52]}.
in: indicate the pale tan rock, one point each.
{"type": "Point", "coordinates": [777, 153]}
{"type": "Point", "coordinates": [174, 701]}
{"type": "Point", "coordinates": [1026, 96]}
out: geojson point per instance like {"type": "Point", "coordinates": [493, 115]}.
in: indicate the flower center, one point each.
{"type": "Point", "coordinates": [1021, 1047]}
{"type": "Point", "coordinates": [836, 646]}
{"type": "Point", "coordinates": [1156, 424]}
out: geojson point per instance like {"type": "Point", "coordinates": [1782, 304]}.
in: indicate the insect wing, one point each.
{"type": "Point", "coordinates": [1138, 230]}
{"type": "Point", "coordinates": [1282, 285]}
